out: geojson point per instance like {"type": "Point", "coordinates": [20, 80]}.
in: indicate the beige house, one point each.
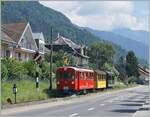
{"type": "Point", "coordinates": [18, 41]}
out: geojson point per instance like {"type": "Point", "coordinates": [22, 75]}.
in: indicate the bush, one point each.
{"type": "Point", "coordinates": [137, 80]}
{"type": "Point", "coordinates": [13, 68]}
{"type": "Point", "coordinates": [18, 70]}
{"type": "Point", "coordinates": [31, 67]}
{"type": "Point", "coordinates": [45, 70]}
{"type": "Point", "coordinates": [4, 72]}
{"type": "Point", "coordinates": [132, 79]}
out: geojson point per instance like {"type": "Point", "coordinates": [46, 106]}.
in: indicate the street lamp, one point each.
{"type": "Point", "coordinates": [15, 91]}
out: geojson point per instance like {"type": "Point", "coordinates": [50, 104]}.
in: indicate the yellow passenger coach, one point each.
{"type": "Point", "coordinates": [100, 79]}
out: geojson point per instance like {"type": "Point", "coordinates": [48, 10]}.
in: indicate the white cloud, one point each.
{"type": "Point", "coordinates": [102, 15]}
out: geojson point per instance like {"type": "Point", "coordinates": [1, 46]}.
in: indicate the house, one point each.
{"type": "Point", "coordinates": [40, 42]}
{"type": "Point", "coordinates": [18, 41]}
{"type": "Point", "coordinates": [77, 52]}
{"type": "Point", "coordinates": [7, 45]}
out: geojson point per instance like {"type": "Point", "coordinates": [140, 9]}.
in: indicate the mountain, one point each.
{"type": "Point", "coordinates": [140, 49]}
{"type": "Point", "coordinates": [138, 35]}
{"type": "Point", "coordinates": [42, 18]}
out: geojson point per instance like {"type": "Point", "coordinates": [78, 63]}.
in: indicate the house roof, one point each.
{"type": "Point", "coordinates": [6, 38]}
{"type": "Point", "coordinates": [38, 36]}
{"type": "Point", "coordinates": [14, 30]}
{"type": "Point", "coordinates": [60, 40]}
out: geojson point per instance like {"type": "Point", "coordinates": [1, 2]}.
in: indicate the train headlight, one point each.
{"type": "Point", "coordinates": [72, 82]}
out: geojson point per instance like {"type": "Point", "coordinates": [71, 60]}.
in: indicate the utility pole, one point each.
{"type": "Point", "coordinates": [51, 60]}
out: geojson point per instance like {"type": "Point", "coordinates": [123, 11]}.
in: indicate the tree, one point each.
{"type": "Point", "coordinates": [101, 53]}
{"type": "Point", "coordinates": [120, 66]}
{"type": "Point", "coordinates": [131, 64]}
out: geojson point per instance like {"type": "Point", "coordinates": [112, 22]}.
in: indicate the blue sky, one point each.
{"type": "Point", "coordinates": [141, 8]}
{"type": "Point", "coordinates": [104, 15]}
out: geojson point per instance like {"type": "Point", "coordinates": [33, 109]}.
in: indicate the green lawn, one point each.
{"type": "Point", "coordinates": [26, 91]}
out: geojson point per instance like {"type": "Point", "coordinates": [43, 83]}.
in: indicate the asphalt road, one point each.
{"type": "Point", "coordinates": [120, 103]}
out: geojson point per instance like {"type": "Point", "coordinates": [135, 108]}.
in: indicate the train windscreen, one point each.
{"type": "Point", "coordinates": [65, 75]}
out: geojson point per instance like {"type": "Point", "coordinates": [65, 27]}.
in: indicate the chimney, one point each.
{"type": "Point", "coordinates": [58, 35]}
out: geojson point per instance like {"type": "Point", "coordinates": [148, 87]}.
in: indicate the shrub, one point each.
{"type": "Point", "coordinates": [31, 67]}
{"type": "Point", "coordinates": [4, 72]}
{"type": "Point", "coordinates": [13, 68]}
{"type": "Point", "coordinates": [45, 70]}
{"type": "Point", "coordinates": [132, 79]}
{"type": "Point", "coordinates": [18, 70]}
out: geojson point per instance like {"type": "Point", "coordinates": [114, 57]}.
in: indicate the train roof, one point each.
{"type": "Point", "coordinates": [100, 72]}
{"type": "Point", "coordinates": [78, 69]}
{"type": "Point", "coordinates": [108, 72]}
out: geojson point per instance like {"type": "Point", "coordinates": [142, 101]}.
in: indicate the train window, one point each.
{"type": "Point", "coordinates": [59, 75]}
{"type": "Point", "coordinates": [104, 77]}
{"type": "Point", "coordinates": [87, 74]}
{"type": "Point", "coordinates": [68, 75]}
{"type": "Point", "coordinates": [65, 75]}
{"type": "Point", "coordinates": [84, 75]}
{"type": "Point", "coordinates": [90, 75]}
{"type": "Point", "coordinates": [81, 75]}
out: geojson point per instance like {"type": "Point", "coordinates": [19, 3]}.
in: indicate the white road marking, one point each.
{"type": "Point", "coordinates": [102, 104]}
{"type": "Point", "coordinates": [110, 101]}
{"type": "Point", "coordinates": [74, 114]}
{"type": "Point", "coordinates": [91, 109]}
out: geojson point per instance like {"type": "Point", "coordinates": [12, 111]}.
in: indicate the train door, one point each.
{"type": "Point", "coordinates": [78, 80]}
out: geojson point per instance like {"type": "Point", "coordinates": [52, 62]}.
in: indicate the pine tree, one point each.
{"type": "Point", "coordinates": [131, 64]}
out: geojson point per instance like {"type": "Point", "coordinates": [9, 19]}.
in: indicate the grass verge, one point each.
{"type": "Point", "coordinates": [27, 91]}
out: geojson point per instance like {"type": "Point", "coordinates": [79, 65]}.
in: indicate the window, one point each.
{"type": "Point", "coordinates": [87, 74]}
{"type": "Point", "coordinates": [18, 55]}
{"type": "Point", "coordinates": [67, 75]}
{"type": "Point", "coordinates": [7, 53]}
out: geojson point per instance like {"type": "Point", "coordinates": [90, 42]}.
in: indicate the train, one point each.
{"type": "Point", "coordinates": [79, 80]}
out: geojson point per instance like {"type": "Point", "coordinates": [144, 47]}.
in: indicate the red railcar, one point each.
{"type": "Point", "coordinates": [74, 79]}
